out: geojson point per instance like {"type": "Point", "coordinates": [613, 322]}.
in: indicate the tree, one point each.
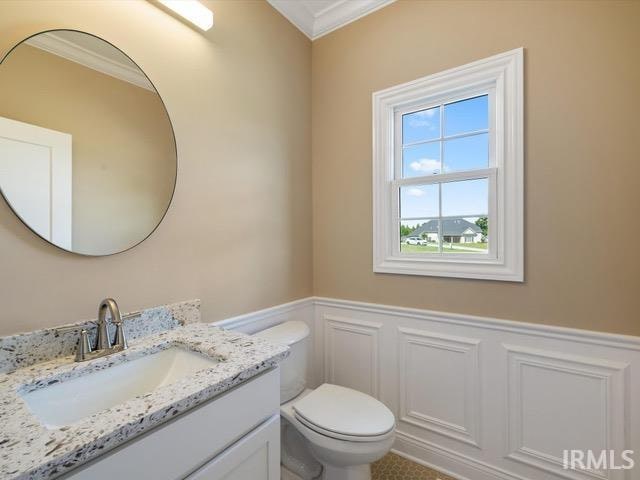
{"type": "Point", "coordinates": [483, 223]}
{"type": "Point", "coordinates": [405, 230]}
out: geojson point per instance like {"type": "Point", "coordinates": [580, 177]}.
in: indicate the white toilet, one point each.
{"type": "Point", "coordinates": [338, 428]}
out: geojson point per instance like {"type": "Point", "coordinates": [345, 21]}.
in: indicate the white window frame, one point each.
{"type": "Point", "coordinates": [501, 77]}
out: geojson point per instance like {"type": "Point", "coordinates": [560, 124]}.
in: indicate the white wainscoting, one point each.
{"type": "Point", "coordinates": [482, 398]}
{"type": "Point", "coordinates": [479, 398]}
{"type": "Point", "coordinates": [351, 353]}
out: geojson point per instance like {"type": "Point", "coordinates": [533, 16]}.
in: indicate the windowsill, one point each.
{"type": "Point", "coordinates": [469, 267]}
{"type": "Point", "coordinates": [446, 257]}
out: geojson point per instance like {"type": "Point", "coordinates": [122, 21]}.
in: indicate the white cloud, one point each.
{"type": "Point", "coordinates": [427, 113]}
{"type": "Point", "coordinates": [415, 192]}
{"type": "Point", "coordinates": [421, 119]}
{"type": "Point", "coordinates": [425, 165]}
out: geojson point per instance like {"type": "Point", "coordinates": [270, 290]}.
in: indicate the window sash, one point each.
{"type": "Point", "coordinates": [446, 177]}
{"type": "Point", "coordinates": [441, 101]}
{"type": "Point", "coordinates": [443, 217]}
{"type": "Point", "coordinates": [490, 173]}
{"type": "Point", "coordinates": [470, 133]}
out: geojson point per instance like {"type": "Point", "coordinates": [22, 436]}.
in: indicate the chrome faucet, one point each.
{"type": "Point", "coordinates": [104, 346]}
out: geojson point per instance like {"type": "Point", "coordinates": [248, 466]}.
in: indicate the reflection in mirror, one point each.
{"type": "Point", "coordinates": [87, 152]}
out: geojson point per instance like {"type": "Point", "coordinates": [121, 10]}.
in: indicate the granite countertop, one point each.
{"type": "Point", "coordinates": [28, 450]}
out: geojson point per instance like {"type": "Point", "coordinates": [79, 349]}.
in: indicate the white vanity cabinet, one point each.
{"type": "Point", "coordinates": [234, 436]}
{"type": "Point", "coordinates": [255, 456]}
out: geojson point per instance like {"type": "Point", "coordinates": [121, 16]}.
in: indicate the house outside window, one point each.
{"type": "Point", "coordinates": [448, 173]}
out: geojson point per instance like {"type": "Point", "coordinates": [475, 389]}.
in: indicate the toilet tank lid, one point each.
{"type": "Point", "coordinates": [286, 333]}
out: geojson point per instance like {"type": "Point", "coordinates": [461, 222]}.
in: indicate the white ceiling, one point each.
{"type": "Point", "coordinates": [316, 18]}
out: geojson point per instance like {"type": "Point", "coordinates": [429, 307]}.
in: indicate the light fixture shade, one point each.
{"type": "Point", "coordinates": [191, 10]}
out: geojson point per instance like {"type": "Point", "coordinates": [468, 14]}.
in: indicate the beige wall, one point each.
{"type": "Point", "coordinates": [238, 234]}
{"type": "Point", "coordinates": [582, 154]}
{"type": "Point", "coordinates": [124, 160]}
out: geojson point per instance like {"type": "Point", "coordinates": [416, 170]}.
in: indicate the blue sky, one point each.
{"type": "Point", "coordinates": [467, 153]}
{"type": "Point", "coordinates": [464, 199]}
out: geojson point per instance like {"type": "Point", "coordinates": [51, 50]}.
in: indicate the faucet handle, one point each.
{"type": "Point", "coordinates": [120, 339]}
{"type": "Point", "coordinates": [84, 346]}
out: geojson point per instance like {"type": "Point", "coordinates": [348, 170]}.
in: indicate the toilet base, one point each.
{"type": "Point", "coordinates": [340, 459]}
{"type": "Point", "coordinates": [353, 472]}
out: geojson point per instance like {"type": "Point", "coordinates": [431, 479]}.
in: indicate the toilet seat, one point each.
{"type": "Point", "coordinates": [344, 414]}
{"type": "Point", "coordinates": [340, 436]}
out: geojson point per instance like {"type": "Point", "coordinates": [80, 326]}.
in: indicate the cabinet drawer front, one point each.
{"type": "Point", "coordinates": [255, 456]}
{"type": "Point", "coordinates": [176, 448]}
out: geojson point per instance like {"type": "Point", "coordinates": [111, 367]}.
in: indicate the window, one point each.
{"type": "Point", "coordinates": [445, 175]}
{"type": "Point", "coordinates": [448, 173]}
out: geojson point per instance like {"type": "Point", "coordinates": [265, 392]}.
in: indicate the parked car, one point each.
{"type": "Point", "coordinates": [415, 241]}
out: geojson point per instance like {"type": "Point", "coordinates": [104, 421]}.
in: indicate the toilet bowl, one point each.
{"type": "Point", "coordinates": [332, 432]}
{"type": "Point", "coordinates": [344, 447]}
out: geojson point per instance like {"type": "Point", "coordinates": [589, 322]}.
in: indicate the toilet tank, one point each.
{"type": "Point", "coordinates": [293, 369]}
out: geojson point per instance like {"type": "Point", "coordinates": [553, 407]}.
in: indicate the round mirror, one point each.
{"type": "Point", "coordinates": [87, 151]}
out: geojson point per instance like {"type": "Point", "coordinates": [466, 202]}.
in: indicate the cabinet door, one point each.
{"type": "Point", "coordinates": [255, 456]}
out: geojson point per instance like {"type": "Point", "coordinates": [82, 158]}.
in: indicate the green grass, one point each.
{"type": "Point", "coordinates": [483, 246]}
{"type": "Point", "coordinates": [433, 248]}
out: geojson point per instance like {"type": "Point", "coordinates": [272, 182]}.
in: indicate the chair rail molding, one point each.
{"type": "Point", "coordinates": [542, 330]}
{"type": "Point", "coordinates": [260, 319]}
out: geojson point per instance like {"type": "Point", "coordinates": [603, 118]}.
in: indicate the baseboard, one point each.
{"type": "Point", "coordinates": [447, 461]}
{"type": "Point", "coordinates": [420, 461]}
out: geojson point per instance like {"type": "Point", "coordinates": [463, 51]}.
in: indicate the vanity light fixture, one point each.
{"type": "Point", "coordinates": [192, 10]}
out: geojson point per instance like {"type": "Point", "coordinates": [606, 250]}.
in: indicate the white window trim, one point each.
{"type": "Point", "coordinates": [502, 76]}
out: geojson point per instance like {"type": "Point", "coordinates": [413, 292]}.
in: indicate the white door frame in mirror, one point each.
{"type": "Point", "coordinates": [47, 156]}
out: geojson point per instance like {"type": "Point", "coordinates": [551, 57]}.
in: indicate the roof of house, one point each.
{"type": "Point", "coordinates": [450, 227]}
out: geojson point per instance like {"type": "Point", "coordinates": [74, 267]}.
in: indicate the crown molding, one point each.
{"type": "Point", "coordinates": [56, 45]}
{"type": "Point", "coordinates": [297, 14]}
{"type": "Point", "coordinates": [334, 16]}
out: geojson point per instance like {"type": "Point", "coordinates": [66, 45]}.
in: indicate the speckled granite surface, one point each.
{"type": "Point", "coordinates": [30, 451]}
{"type": "Point", "coordinates": [26, 349]}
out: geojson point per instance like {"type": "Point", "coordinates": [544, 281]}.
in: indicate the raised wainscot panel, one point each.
{"type": "Point", "coordinates": [447, 400]}
{"type": "Point", "coordinates": [580, 399]}
{"type": "Point", "coordinates": [351, 353]}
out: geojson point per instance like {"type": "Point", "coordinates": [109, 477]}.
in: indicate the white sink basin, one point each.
{"type": "Point", "coordinates": [72, 400]}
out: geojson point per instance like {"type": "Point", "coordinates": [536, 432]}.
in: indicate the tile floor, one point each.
{"type": "Point", "coordinates": [395, 467]}
{"type": "Point", "coordinates": [392, 467]}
